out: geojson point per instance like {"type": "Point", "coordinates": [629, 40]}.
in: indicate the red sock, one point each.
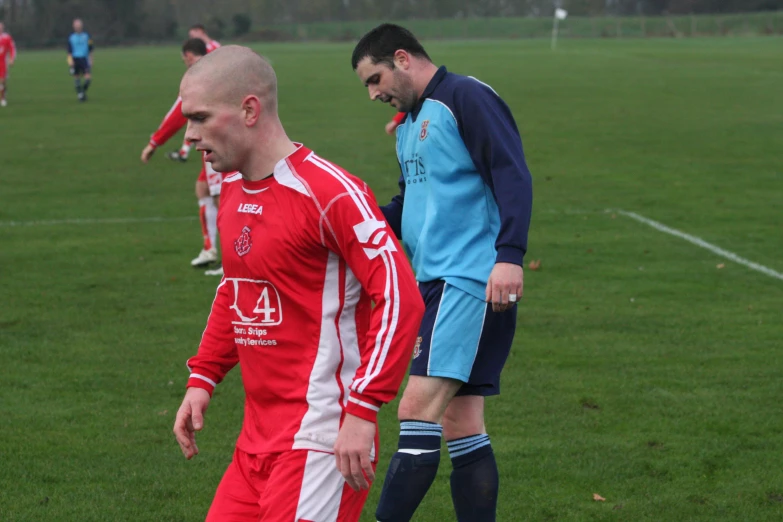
{"type": "Point", "coordinates": [202, 216]}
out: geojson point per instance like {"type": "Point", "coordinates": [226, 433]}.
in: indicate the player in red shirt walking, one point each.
{"type": "Point", "coordinates": [200, 32]}
{"type": "Point", "coordinates": [7, 57]}
{"type": "Point", "coordinates": [306, 253]}
{"type": "Point", "coordinates": [209, 180]}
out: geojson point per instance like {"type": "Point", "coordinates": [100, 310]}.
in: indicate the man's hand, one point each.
{"type": "Point", "coordinates": [190, 419]}
{"type": "Point", "coordinates": [391, 127]}
{"type": "Point", "coordinates": [352, 452]}
{"type": "Point", "coordinates": [504, 281]}
{"type": "Point", "coordinates": [147, 153]}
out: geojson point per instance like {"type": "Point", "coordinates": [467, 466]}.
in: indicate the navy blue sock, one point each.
{"type": "Point", "coordinates": [86, 85]}
{"type": "Point", "coordinates": [411, 471]}
{"type": "Point", "coordinates": [77, 82]}
{"type": "Point", "coordinates": [474, 479]}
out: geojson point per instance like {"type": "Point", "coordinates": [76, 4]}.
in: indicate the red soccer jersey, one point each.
{"type": "Point", "coordinates": [7, 52]}
{"type": "Point", "coordinates": [212, 45]}
{"type": "Point", "coordinates": [305, 251]}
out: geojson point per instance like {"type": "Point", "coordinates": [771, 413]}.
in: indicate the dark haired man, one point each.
{"type": "Point", "coordinates": [463, 215]}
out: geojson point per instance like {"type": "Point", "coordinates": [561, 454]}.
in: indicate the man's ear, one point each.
{"type": "Point", "coordinates": [252, 108]}
{"type": "Point", "coordinates": [402, 59]}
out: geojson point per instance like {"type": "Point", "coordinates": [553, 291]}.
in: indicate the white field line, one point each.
{"type": "Point", "coordinates": [95, 221]}
{"type": "Point", "coordinates": [731, 256]}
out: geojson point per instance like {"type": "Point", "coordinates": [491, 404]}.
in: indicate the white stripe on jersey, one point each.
{"type": "Point", "coordinates": [349, 338]}
{"type": "Point", "coordinates": [388, 328]}
{"type": "Point", "coordinates": [309, 192]}
{"type": "Point", "coordinates": [391, 269]}
{"type": "Point", "coordinates": [203, 378]}
{"type": "Point", "coordinates": [321, 422]}
{"type": "Point", "coordinates": [365, 404]}
{"type": "Point", "coordinates": [356, 194]}
{"type": "Point", "coordinates": [233, 177]}
{"type": "Point", "coordinates": [284, 175]}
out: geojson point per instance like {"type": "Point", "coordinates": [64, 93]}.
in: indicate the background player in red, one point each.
{"type": "Point", "coordinates": [395, 122]}
{"type": "Point", "coordinates": [200, 32]}
{"type": "Point", "coordinates": [209, 180]}
{"type": "Point", "coordinates": [7, 57]}
{"type": "Point", "coordinates": [306, 251]}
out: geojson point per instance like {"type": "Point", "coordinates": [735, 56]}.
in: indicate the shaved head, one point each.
{"type": "Point", "coordinates": [231, 73]}
{"type": "Point", "coordinates": [229, 98]}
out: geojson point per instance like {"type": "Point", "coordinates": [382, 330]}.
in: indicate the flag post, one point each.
{"type": "Point", "coordinates": [560, 14]}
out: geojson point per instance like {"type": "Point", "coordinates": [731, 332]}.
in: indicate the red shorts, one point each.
{"type": "Point", "coordinates": [295, 486]}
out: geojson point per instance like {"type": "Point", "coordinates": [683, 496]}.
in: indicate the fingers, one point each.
{"type": "Point", "coordinates": [356, 468]}
{"type": "Point", "coordinates": [190, 419]}
{"type": "Point", "coordinates": [345, 470]}
{"type": "Point", "coordinates": [357, 474]}
{"type": "Point", "coordinates": [367, 468]}
{"type": "Point", "coordinates": [184, 435]}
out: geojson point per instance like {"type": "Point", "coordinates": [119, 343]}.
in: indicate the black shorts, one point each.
{"type": "Point", "coordinates": [81, 66]}
{"type": "Point", "coordinates": [462, 338]}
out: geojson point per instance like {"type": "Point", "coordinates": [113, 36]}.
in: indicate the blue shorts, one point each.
{"type": "Point", "coordinates": [462, 338]}
{"type": "Point", "coordinates": [81, 66]}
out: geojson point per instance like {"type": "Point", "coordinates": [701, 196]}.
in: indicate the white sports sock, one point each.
{"type": "Point", "coordinates": [211, 214]}
{"type": "Point", "coordinates": [184, 150]}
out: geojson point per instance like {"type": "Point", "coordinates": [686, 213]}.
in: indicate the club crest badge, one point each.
{"type": "Point", "coordinates": [244, 242]}
{"type": "Point", "coordinates": [423, 133]}
{"type": "Point", "coordinates": [417, 348]}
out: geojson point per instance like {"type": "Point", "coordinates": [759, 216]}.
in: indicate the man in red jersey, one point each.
{"type": "Point", "coordinates": [209, 180]}
{"type": "Point", "coordinates": [306, 253]}
{"type": "Point", "coordinates": [200, 32]}
{"type": "Point", "coordinates": [7, 57]}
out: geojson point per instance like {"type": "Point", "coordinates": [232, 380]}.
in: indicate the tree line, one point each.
{"type": "Point", "coordinates": [48, 22]}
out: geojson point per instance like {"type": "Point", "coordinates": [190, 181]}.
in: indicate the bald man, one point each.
{"type": "Point", "coordinates": [306, 253]}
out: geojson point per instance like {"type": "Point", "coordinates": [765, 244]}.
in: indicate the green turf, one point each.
{"type": "Point", "coordinates": [641, 371]}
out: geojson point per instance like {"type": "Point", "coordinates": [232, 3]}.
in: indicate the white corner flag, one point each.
{"type": "Point", "coordinates": [560, 14]}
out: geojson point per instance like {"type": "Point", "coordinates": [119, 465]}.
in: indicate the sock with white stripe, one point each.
{"type": "Point", "coordinates": [411, 471]}
{"type": "Point", "coordinates": [474, 479]}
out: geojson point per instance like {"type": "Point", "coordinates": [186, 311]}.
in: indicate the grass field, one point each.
{"type": "Point", "coordinates": [642, 371]}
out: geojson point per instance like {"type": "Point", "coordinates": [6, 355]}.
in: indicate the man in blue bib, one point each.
{"type": "Point", "coordinates": [80, 58]}
{"type": "Point", "coordinates": [463, 215]}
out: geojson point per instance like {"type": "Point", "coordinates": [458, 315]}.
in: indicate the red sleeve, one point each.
{"type": "Point", "coordinates": [217, 353]}
{"type": "Point", "coordinates": [399, 117]}
{"type": "Point", "coordinates": [358, 232]}
{"type": "Point", "coordinates": [171, 124]}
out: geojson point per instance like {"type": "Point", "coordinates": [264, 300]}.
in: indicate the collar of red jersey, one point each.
{"type": "Point", "coordinates": [294, 159]}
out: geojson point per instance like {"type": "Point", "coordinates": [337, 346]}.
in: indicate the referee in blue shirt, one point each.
{"type": "Point", "coordinates": [463, 215]}
{"type": "Point", "coordinates": [80, 58]}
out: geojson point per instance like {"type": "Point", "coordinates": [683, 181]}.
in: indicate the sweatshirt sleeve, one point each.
{"type": "Point", "coordinates": [392, 211]}
{"type": "Point", "coordinates": [217, 353]}
{"type": "Point", "coordinates": [360, 235]}
{"type": "Point", "coordinates": [491, 136]}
